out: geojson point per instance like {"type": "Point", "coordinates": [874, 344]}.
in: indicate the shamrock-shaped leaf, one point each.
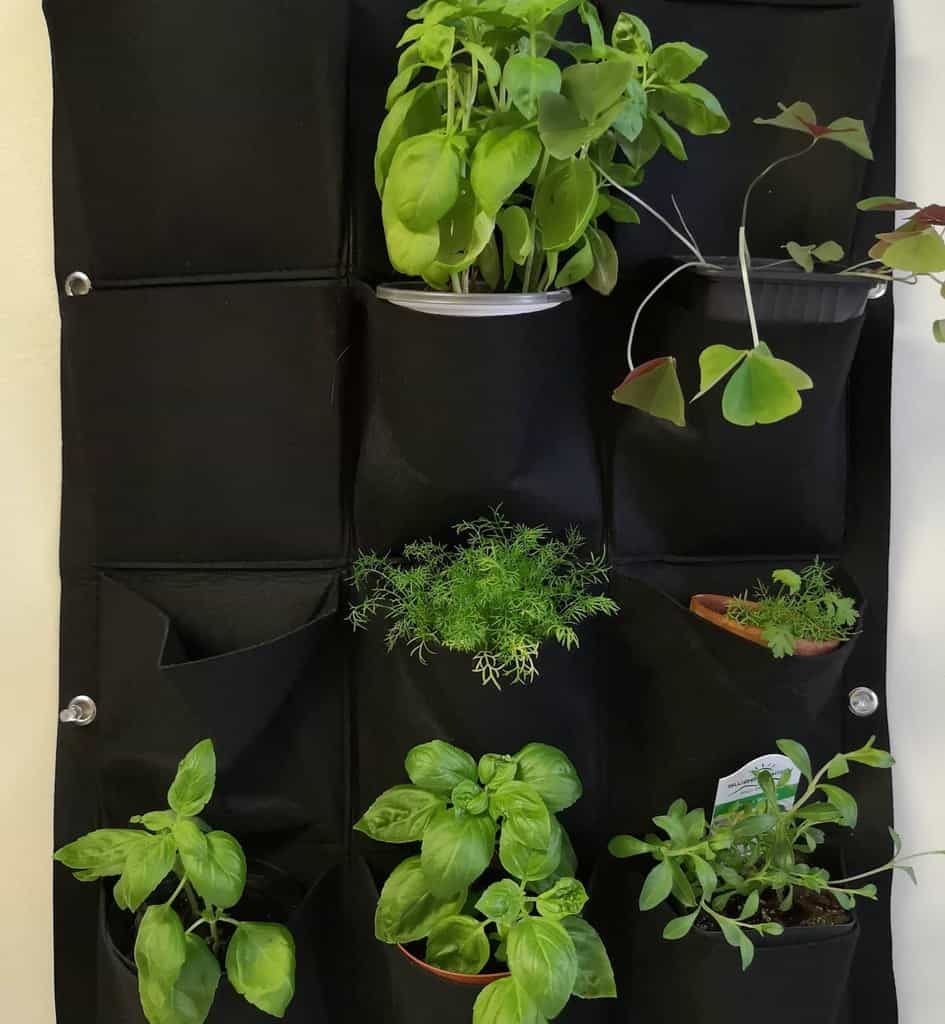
{"type": "Point", "coordinates": [763, 389]}
{"type": "Point", "coordinates": [933, 214]}
{"type": "Point", "coordinates": [918, 252]}
{"type": "Point", "coordinates": [805, 255]}
{"type": "Point", "coordinates": [938, 331]}
{"type": "Point", "coordinates": [654, 388]}
{"type": "Point", "coordinates": [885, 203]}
{"type": "Point", "coordinates": [800, 117]}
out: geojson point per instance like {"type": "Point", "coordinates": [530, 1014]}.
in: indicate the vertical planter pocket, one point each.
{"type": "Point", "coordinates": [205, 140]}
{"type": "Point", "coordinates": [715, 488]}
{"type": "Point", "coordinates": [274, 707]}
{"type": "Point", "coordinates": [701, 702]}
{"type": "Point", "coordinates": [401, 703]}
{"type": "Point", "coordinates": [464, 414]}
{"type": "Point", "coordinates": [209, 420]}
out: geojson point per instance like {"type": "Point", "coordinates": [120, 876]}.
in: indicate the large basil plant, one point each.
{"type": "Point", "coordinates": [461, 812]}
{"type": "Point", "coordinates": [502, 142]}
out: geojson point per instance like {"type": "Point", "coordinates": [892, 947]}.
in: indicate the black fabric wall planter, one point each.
{"type": "Point", "coordinates": [462, 414]}
{"type": "Point", "coordinates": [195, 404]}
{"type": "Point", "coordinates": [792, 501]}
{"type": "Point", "coordinates": [313, 917]}
{"type": "Point", "coordinates": [229, 119]}
{"type": "Point", "coordinates": [274, 710]}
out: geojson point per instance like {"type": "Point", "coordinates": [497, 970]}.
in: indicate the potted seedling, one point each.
{"type": "Point", "coordinates": [490, 901]}
{"type": "Point", "coordinates": [803, 614]}
{"type": "Point", "coordinates": [496, 160]}
{"type": "Point", "coordinates": [753, 878]}
{"type": "Point", "coordinates": [762, 388]}
{"type": "Point", "coordinates": [499, 596]}
{"type": "Point", "coordinates": [181, 880]}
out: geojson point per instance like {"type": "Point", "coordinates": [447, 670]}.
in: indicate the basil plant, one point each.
{"type": "Point", "coordinates": [181, 939]}
{"type": "Point", "coordinates": [502, 143]}
{"type": "Point", "coordinates": [461, 813]}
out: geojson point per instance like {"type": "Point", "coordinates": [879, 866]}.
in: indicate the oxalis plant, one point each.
{"type": "Point", "coordinates": [761, 388]}
{"type": "Point", "coordinates": [502, 142]}
{"type": "Point", "coordinates": [181, 940]}
{"type": "Point", "coordinates": [498, 596]}
{"type": "Point", "coordinates": [740, 873]}
{"type": "Point", "coordinates": [463, 814]}
{"type": "Point", "coordinates": [801, 606]}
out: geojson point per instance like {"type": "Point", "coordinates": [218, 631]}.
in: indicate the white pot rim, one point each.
{"type": "Point", "coordinates": [421, 299]}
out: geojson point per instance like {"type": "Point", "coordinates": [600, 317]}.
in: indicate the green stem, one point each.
{"type": "Point", "coordinates": [886, 867]}
{"type": "Point", "coordinates": [191, 897]}
{"type": "Point", "coordinates": [764, 174]}
{"type": "Point", "coordinates": [473, 89]}
{"type": "Point", "coordinates": [450, 88]}
{"type": "Point", "coordinates": [542, 171]}
{"type": "Point", "coordinates": [457, 283]}
{"type": "Point", "coordinates": [177, 891]}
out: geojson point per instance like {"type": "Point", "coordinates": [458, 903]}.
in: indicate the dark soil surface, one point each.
{"type": "Point", "coordinates": [810, 910]}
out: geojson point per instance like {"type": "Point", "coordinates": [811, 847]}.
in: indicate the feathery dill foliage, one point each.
{"type": "Point", "coordinates": [805, 606]}
{"type": "Point", "coordinates": [498, 596]}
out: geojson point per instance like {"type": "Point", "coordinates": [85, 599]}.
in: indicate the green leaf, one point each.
{"type": "Point", "coordinates": [705, 873]}
{"type": "Point", "coordinates": [896, 840]}
{"type": "Point", "coordinates": [751, 906]}
{"type": "Point", "coordinates": [564, 204]}
{"type": "Point", "coordinates": [657, 886]}
{"type": "Point", "coordinates": [578, 267]}
{"type": "Point", "coordinates": [439, 767]}
{"type": "Point", "coordinates": [503, 902]}
{"type": "Point", "coordinates": [469, 798]}
{"type": "Point", "coordinates": [408, 909]}
{"type": "Point", "coordinates": [146, 866]}
{"type": "Point", "coordinates": [260, 965]}
{"type": "Point", "coordinates": [528, 79]}
{"type": "Point", "coordinates": [192, 995]}
{"type": "Point", "coordinates": [415, 113]}
{"type": "Point", "coordinates": [505, 1002]}
{"type": "Point", "coordinates": [424, 180]}
{"type": "Point", "coordinates": [517, 239]}
{"type": "Point", "coordinates": [850, 132]}
{"type": "Point", "coordinates": [490, 65]}
{"type": "Point", "coordinates": [631, 35]}
{"type": "Point", "coordinates": [798, 756]}
{"type": "Point", "coordinates": [837, 767]}
{"type": "Point", "coordinates": [567, 860]}
{"type": "Point", "coordinates": [522, 805]}
{"type": "Point", "coordinates": [400, 815]}
{"type": "Point", "coordinates": [680, 927]}
{"type": "Point", "coordinates": [214, 863]}
{"type": "Point", "coordinates": [829, 252]}
{"type": "Point", "coordinates": [526, 862]}
{"type": "Point", "coordinates": [693, 108]}
{"type": "Point", "coordinates": [886, 203]}
{"type": "Point", "coordinates": [196, 776]}
{"type": "Point", "coordinates": [458, 944]}
{"type": "Point", "coordinates": [673, 62]}
{"type": "Point", "coordinates": [621, 212]}
{"type": "Point", "coordinates": [920, 253]}
{"type": "Point", "coordinates": [735, 936]}
{"type": "Point", "coordinates": [938, 331]}
{"type": "Point", "coordinates": [593, 88]}
{"type": "Point", "coordinates": [645, 146]}
{"type": "Point", "coordinates": [789, 579]}
{"type": "Point", "coordinates": [843, 802]}
{"type": "Point", "coordinates": [629, 122]}
{"type": "Point", "coordinates": [490, 264]}
{"type": "Point", "coordinates": [495, 769]}
{"type": "Point", "coordinates": [436, 45]}
{"type": "Point", "coordinates": [668, 136]}
{"type": "Point", "coordinates": [155, 821]}
{"type": "Point", "coordinates": [603, 276]}
{"type": "Point", "coordinates": [101, 853]}
{"type": "Point", "coordinates": [654, 388]}
{"type": "Point", "coordinates": [543, 960]}
{"type": "Point", "coordinates": [802, 255]}
{"type": "Point", "coordinates": [410, 252]}
{"type": "Point", "coordinates": [566, 898]}
{"type": "Point", "coordinates": [456, 851]}
{"type": "Point", "coordinates": [798, 117]}
{"type": "Point", "coordinates": [160, 952]}
{"type": "Point", "coordinates": [628, 846]}
{"type": "Point", "coordinates": [872, 757]}
{"type": "Point", "coordinates": [401, 84]}
{"type": "Point", "coordinates": [560, 126]}
{"type": "Point", "coordinates": [501, 161]}
{"type": "Point", "coordinates": [715, 362]}
{"type": "Point", "coordinates": [464, 233]}
{"type": "Point", "coordinates": [595, 975]}
{"type": "Point", "coordinates": [551, 773]}
{"type": "Point", "coordinates": [763, 390]}
{"type": "Point", "coordinates": [755, 825]}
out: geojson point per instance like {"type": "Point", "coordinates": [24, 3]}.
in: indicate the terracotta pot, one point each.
{"type": "Point", "coordinates": [476, 980]}
{"type": "Point", "coordinates": [713, 608]}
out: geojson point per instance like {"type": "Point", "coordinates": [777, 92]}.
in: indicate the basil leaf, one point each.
{"type": "Point", "coordinates": [595, 975]}
{"type": "Point", "coordinates": [400, 815]}
{"type": "Point", "coordinates": [439, 767]}
{"type": "Point", "coordinates": [502, 902]}
{"type": "Point", "coordinates": [566, 898]}
{"type": "Point", "coordinates": [456, 850]}
{"type": "Point", "coordinates": [543, 960]}
{"type": "Point", "coordinates": [102, 852]}
{"type": "Point", "coordinates": [215, 864]}
{"type": "Point", "coordinates": [146, 866]}
{"type": "Point", "coordinates": [192, 996]}
{"type": "Point", "coordinates": [407, 909]}
{"type": "Point", "coordinates": [550, 772]}
{"type": "Point", "coordinates": [196, 776]}
{"type": "Point", "coordinates": [260, 965]}
{"type": "Point", "coordinates": [160, 952]}
{"type": "Point", "coordinates": [505, 1002]}
{"type": "Point", "coordinates": [459, 944]}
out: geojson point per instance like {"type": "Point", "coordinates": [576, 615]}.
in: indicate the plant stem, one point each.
{"type": "Point", "coordinates": [856, 266]}
{"type": "Point", "coordinates": [473, 89]}
{"type": "Point", "coordinates": [177, 891]}
{"type": "Point", "coordinates": [885, 867]}
{"type": "Point", "coordinates": [529, 263]}
{"type": "Point", "coordinates": [764, 174]}
{"type": "Point", "coordinates": [457, 284]}
{"type": "Point", "coordinates": [652, 293]}
{"type": "Point", "coordinates": [191, 897]}
{"type": "Point", "coordinates": [215, 936]}
{"type": "Point", "coordinates": [450, 87]}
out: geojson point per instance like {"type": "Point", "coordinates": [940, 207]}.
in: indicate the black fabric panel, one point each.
{"type": "Point", "coordinates": [275, 710]}
{"type": "Point", "coordinates": [462, 414]}
{"type": "Point", "coordinates": [778, 488]}
{"type": "Point", "coordinates": [209, 420]}
{"type": "Point", "coordinates": [207, 138]}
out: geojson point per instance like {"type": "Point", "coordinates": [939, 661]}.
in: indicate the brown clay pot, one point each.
{"type": "Point", "coordinates": [476, 980]}
{"type": "Point", "coordinates": [713, 608]}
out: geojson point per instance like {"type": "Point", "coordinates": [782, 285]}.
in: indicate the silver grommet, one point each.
{"type": "Point", "coordinates": [863, 702]}
{"type": "Point", "coordinates": [81, 711]}
{"type": "Point", "coordinates": [878, 290]}
{"type": "Point", "coordinates": [78, 283]}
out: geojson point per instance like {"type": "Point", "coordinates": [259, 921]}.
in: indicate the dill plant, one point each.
{"type": "Point", "coordinates": [804, 606]}
{"type": "Point", "coordinates": [498, 596]}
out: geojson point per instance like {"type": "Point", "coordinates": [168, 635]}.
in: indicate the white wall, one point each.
{"type": "Point", "coordinates": [29, 501]}
{"type": "Point", "coordinates": [29, 510]}
{"type": "Point", "coordinates": [916, 654]}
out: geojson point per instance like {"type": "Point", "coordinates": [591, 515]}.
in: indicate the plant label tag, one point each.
{"type": "Point", "coordinates": [741, 789]}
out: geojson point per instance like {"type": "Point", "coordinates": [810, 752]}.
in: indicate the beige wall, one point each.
{"type": "Point", "coordinates": [29, 510]}
{"type": "Point", "coordinates": [29, 503]}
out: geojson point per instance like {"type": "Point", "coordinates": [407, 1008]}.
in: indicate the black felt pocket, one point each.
{"type": "Point", "coordinates": [208, 420]}
{"type": "Point", "coordinates": [713, 488]}
{"type": "Point", "coordinates": [273, 705]}
{"type": "Point", "coordinates": [464, 414]}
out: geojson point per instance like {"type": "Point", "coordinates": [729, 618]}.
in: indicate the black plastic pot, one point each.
{"type": "Point", "coordinates": [680, 490]}
{"type": "Point", "coordinates": [800, 976]}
